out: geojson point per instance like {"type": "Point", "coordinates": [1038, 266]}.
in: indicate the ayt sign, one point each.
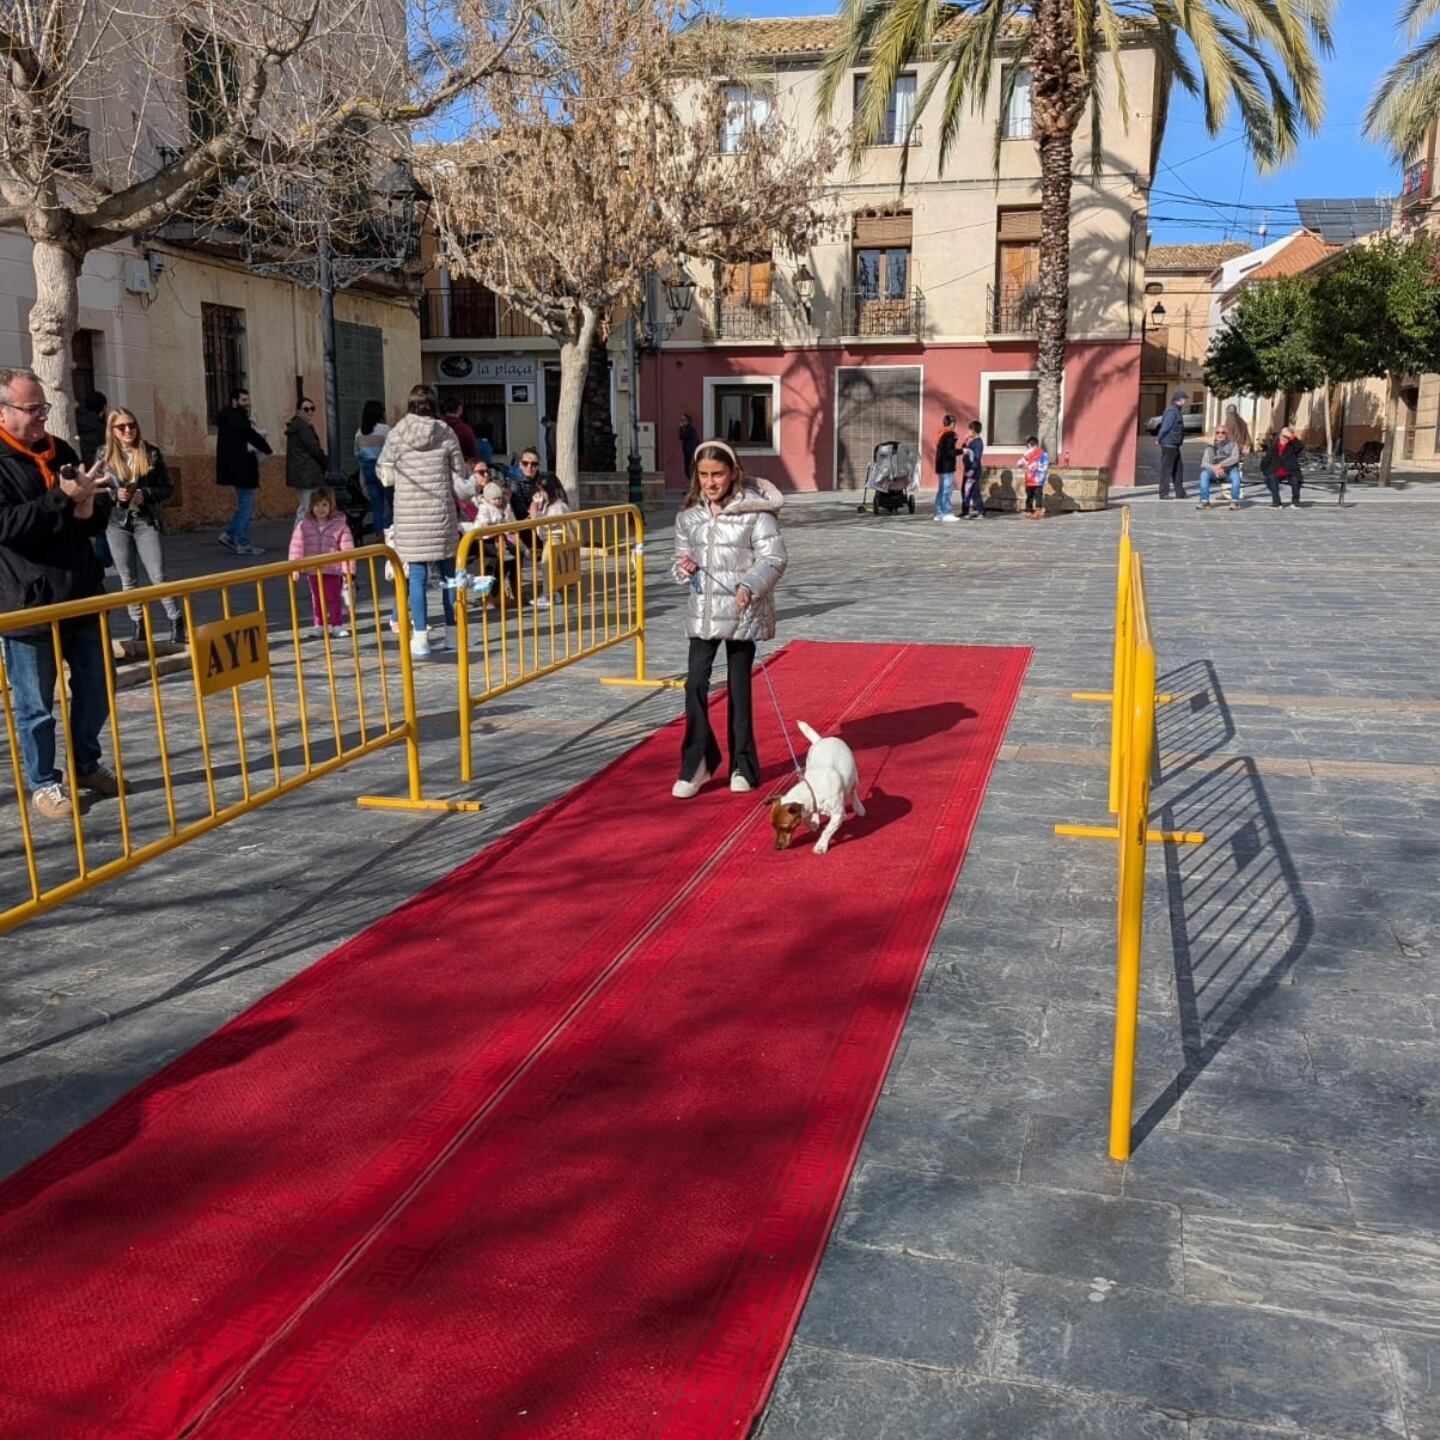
{"type": "Point", "coordinates": [230, 652]}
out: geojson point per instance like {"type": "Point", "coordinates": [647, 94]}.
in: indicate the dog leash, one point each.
{"type": "Point", "coordinates": [765, 671]}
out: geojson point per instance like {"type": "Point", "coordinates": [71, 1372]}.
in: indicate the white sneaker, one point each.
{"type": "Point", "coordinates": [949, 519]}
{"type": "Point", "coordinates": [740, 785]}
{"type": "Point", "coordinates": [937, 517]}
{"type": "Point", "coordinates": [542, 603]}
{"type": "Point", "coordinates": [394, 625]}
{"type": "Point", "coordinates": [420, 645]}
{"type": "Point", "coordinates": [339, 632]}
{"type": "Point", "coordinates": [685, 789]}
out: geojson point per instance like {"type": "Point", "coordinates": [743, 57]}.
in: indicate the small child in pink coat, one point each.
{"type": "Point", "coordinates": [324, 531]}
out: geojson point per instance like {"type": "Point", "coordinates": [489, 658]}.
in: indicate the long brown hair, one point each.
{"type": "Point", "coordinates": [136, 465]}
{"type": "Point", "coordinates": [711, 450]}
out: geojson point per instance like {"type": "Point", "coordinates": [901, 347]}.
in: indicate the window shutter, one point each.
{"type": "Point", "coordinates": [1019, 225]}
{"type": "Point", "coordinates": [877, 231]}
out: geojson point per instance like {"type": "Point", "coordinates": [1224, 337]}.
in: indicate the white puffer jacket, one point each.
{"type": "Point", "coordinates": [741, 545]}
{"type": "Point", "coordinates": [421, 462]}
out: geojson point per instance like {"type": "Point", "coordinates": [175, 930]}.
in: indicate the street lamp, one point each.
{"type": "Point", "coordinates": [1157, 315]}
{"type": "Point", "coordinates": [804, 289]}
{"type": "Point", "coordinates": [679, 294]}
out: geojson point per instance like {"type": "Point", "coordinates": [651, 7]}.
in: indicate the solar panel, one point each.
{"type": "Point", "coordinates": [1339, 221]}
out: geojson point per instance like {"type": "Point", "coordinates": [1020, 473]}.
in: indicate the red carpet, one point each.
{"type": "Point", "coordinates": [552, 1151]}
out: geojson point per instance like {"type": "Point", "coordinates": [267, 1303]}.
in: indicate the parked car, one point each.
{"type": "Point", "coordinates": [1194, 419]}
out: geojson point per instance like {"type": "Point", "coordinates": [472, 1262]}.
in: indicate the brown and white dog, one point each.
{"type": "Point", "coordinates": [832, 780]}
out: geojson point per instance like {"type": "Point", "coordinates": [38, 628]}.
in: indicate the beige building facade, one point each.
{"type": "Point", "coordinates": [923, 301]}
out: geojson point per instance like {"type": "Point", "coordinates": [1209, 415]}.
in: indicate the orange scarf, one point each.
{"type": "Point", "coordinates": [41, 457]}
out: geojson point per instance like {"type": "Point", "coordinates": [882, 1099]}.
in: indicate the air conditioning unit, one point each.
{"type": "Point", "coordinates": [137, 277]}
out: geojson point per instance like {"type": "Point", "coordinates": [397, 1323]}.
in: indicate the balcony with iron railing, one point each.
{"type": "Point", "coordinates": [471, 312]}
{"type": "Point", "coordinates": [1011, 312]}
{"type": "Point", "coordinates": [872, 315]}
{"type": "Point", "coordinates": [1417, 187]}
{"type": "Point", "coordinates": [758, 322]}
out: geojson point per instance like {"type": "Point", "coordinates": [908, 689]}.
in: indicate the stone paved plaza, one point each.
{"type": "Point", "coordinates": [1268, 1264]}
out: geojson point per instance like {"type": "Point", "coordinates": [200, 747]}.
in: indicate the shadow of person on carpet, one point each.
{"type": "Point", "coordinates": [904, 727]}
{"type": "Point", "coordinates": [126, 1118]}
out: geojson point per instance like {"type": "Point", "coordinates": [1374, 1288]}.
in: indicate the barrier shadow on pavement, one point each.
{"type": "Point", "coordinates": [1239, 916]}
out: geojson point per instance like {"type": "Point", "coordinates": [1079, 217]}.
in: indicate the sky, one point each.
{"type": "Point", "coordinates": [1207, 189]}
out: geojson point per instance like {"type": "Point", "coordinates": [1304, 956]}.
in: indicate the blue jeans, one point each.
{"type": "Point", "coordinates": [381, 514]}
{"type": "Point", "coordinates": [30, 666]}
{"type": "Point", "coordinates": [239, 527]}
{"type": "Point", "coordinates": [945, 493]}
{"type": "Point", "coordinates": [1207, 475]}
{"type": "Point", "coordinates": [971, 493]}
{"type": "Point", "coordinates": [418, 579]}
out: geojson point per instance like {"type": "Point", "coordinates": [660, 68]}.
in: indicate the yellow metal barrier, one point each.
{"type": "Point", "coordinates": [359, 698]}
{"type": "Point", "coordinates": [1132, 753]}
{"type": "Point", "coordinates": [563, 589]}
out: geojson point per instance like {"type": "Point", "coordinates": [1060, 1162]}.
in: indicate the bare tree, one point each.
{"type": "Point", "coordinates": [615, 154]}
{"type": "Point", "coordinates": [183, 97]}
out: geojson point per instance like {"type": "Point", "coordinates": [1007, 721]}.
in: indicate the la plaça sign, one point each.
{"type": "Point", "coordinates": [485, 370]}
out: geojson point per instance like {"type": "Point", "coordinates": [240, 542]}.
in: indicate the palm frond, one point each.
{"type": "Point", "coordinates": [1407, 100]}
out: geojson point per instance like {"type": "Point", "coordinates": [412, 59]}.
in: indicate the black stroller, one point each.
{"type": "Point", "coordinates": [893, 479]}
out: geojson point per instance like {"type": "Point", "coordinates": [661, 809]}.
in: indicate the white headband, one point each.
{"type": "Point", "coordinates": [720, 445]}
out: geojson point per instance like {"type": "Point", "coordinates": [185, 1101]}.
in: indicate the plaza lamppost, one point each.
{"type": "Point", "coordinates": [346, 249]}
{"type": "Point", "coordinates": [679, 295]}
{"type": "Point", "coordinates": [805, 289]}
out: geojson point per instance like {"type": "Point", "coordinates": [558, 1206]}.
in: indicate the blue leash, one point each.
{"type": "Point", "coordinates": [769, 683]}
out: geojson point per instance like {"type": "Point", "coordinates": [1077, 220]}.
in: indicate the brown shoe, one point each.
{"type": "Point", "coordinates": [50, 802]}
{"type": "Point", "coordinates": [101, 781]}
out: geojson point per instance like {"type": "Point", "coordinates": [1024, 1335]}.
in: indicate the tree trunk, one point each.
{"type": "Point", "coordinates": [53, 319]}
{"type": "Point", "coordinates": [1056, 149]}
{"type": "Point", "coordinates": [575, 349]}
{"type": "Point", "coordinates": [598, 445]}
{"type": "Point", "coordinates": [1329, 430]}
{"type": "Point", "coordinates": [1392, 421]}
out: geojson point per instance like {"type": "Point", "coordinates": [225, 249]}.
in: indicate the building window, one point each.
{"type": "Point", "coordinates": [747, 109]}
{"type": "Point", "coordinates": [212, 83]}
{"type": "Point", "coordinates": [899, 110]}
{"type": "Point", "coordinates": [224, 335]}
{"type": "Point", "coordinates": [883, 274]}
{"type": "Point", "coordinates": [743, 413]}
{"type": "Point", "coordinates": [1017, 272]}
{"type": "Point", "coordinates": [1017, 123]}
{"type": "Point", "coordinates": [1013, 413]}
{"type": "Point", "coordinates": [82, 364]}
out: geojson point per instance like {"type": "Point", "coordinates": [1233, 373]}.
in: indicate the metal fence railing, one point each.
{"type": "Point", "coordinates": [1132, 701]}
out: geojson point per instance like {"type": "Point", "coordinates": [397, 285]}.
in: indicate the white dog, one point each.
{"type": "Point", "coordinates": [832, 781]}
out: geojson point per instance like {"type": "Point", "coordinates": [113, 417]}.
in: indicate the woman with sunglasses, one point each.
{"type": "Point", "coordinates": [306, 463]}
{"type": "Point", "coordinates": [135, 470]}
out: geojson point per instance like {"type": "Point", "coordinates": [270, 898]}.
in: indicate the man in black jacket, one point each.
{"type": "Point", "coordinates": [238, 448]}
{"type": "Point", "coordinates": [49, 510]}
{"type": "Point", "coordinates": [947, 449]}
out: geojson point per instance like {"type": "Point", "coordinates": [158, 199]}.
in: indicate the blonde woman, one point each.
{"type": "Point", "coordinates": [136, 471]}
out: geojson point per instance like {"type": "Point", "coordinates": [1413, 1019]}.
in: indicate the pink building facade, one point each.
{"type": "Point", "coordinates": [822, 403]}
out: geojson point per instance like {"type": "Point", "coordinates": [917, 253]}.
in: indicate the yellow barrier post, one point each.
{"type": "Point", "coordinates": [640, 678]}
{"type": "Point", "coordinates": [1134, 832]}
{"type": "Point", "coordinates": [227, 654]}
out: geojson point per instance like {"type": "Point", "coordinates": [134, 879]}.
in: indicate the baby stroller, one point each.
{"type": "Point", "coordinates": [893, 479]}
{"type": "Point", "coordinates": [355, 506]}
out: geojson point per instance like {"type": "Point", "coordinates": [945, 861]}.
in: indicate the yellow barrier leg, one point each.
{"type": "Point", "coordinates": [415, 799]}
{"type": "Point", "coordinates": [1112, 832]}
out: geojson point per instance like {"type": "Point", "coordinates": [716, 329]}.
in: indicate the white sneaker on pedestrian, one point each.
{"type": "Point", "coordinates": [541, 603]}
{"type": "Point", "coordinates": [50, 803]}
{"type": "Point", "coordinates": [420, 645]}
{"type": "Point", "coordinates": [740, 785]}
{"type": "Point", "coordinates": [686, 789]}
{"type": "Point", "coordinates": [949, 519]}
{"type": "Point", "coordinates": [339, 632]}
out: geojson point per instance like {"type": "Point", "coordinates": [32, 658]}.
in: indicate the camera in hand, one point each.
{"type": "Point", "coordinates": [69, 472]}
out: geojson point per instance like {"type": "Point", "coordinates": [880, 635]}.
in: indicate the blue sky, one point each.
{"type": "Point", "coordinates": [1336, 163]}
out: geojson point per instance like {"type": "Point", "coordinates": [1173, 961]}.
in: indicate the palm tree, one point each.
{"type": "Point", "coordinates": [1406, 104]}
{"type": "Point", "coordinates": [1258, 54]}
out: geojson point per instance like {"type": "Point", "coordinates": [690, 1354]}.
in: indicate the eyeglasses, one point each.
{"type": "Point", "coordinates": [529, 464]}
{"type": "Point", "coordinates": [307, 409]}
{"type": "Point", "coordinates": [125, 425]}
{"type": "Point", "coordinates": [42, 409]}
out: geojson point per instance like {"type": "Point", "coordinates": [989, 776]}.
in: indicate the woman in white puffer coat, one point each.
{"type": "Point", "coordinates": [729, 552]}
{"type": "Point", "coordinates": [422, 464]}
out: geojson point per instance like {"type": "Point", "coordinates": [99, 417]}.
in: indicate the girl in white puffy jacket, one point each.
{"type": "Point", "coordinates": [730, 554]}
